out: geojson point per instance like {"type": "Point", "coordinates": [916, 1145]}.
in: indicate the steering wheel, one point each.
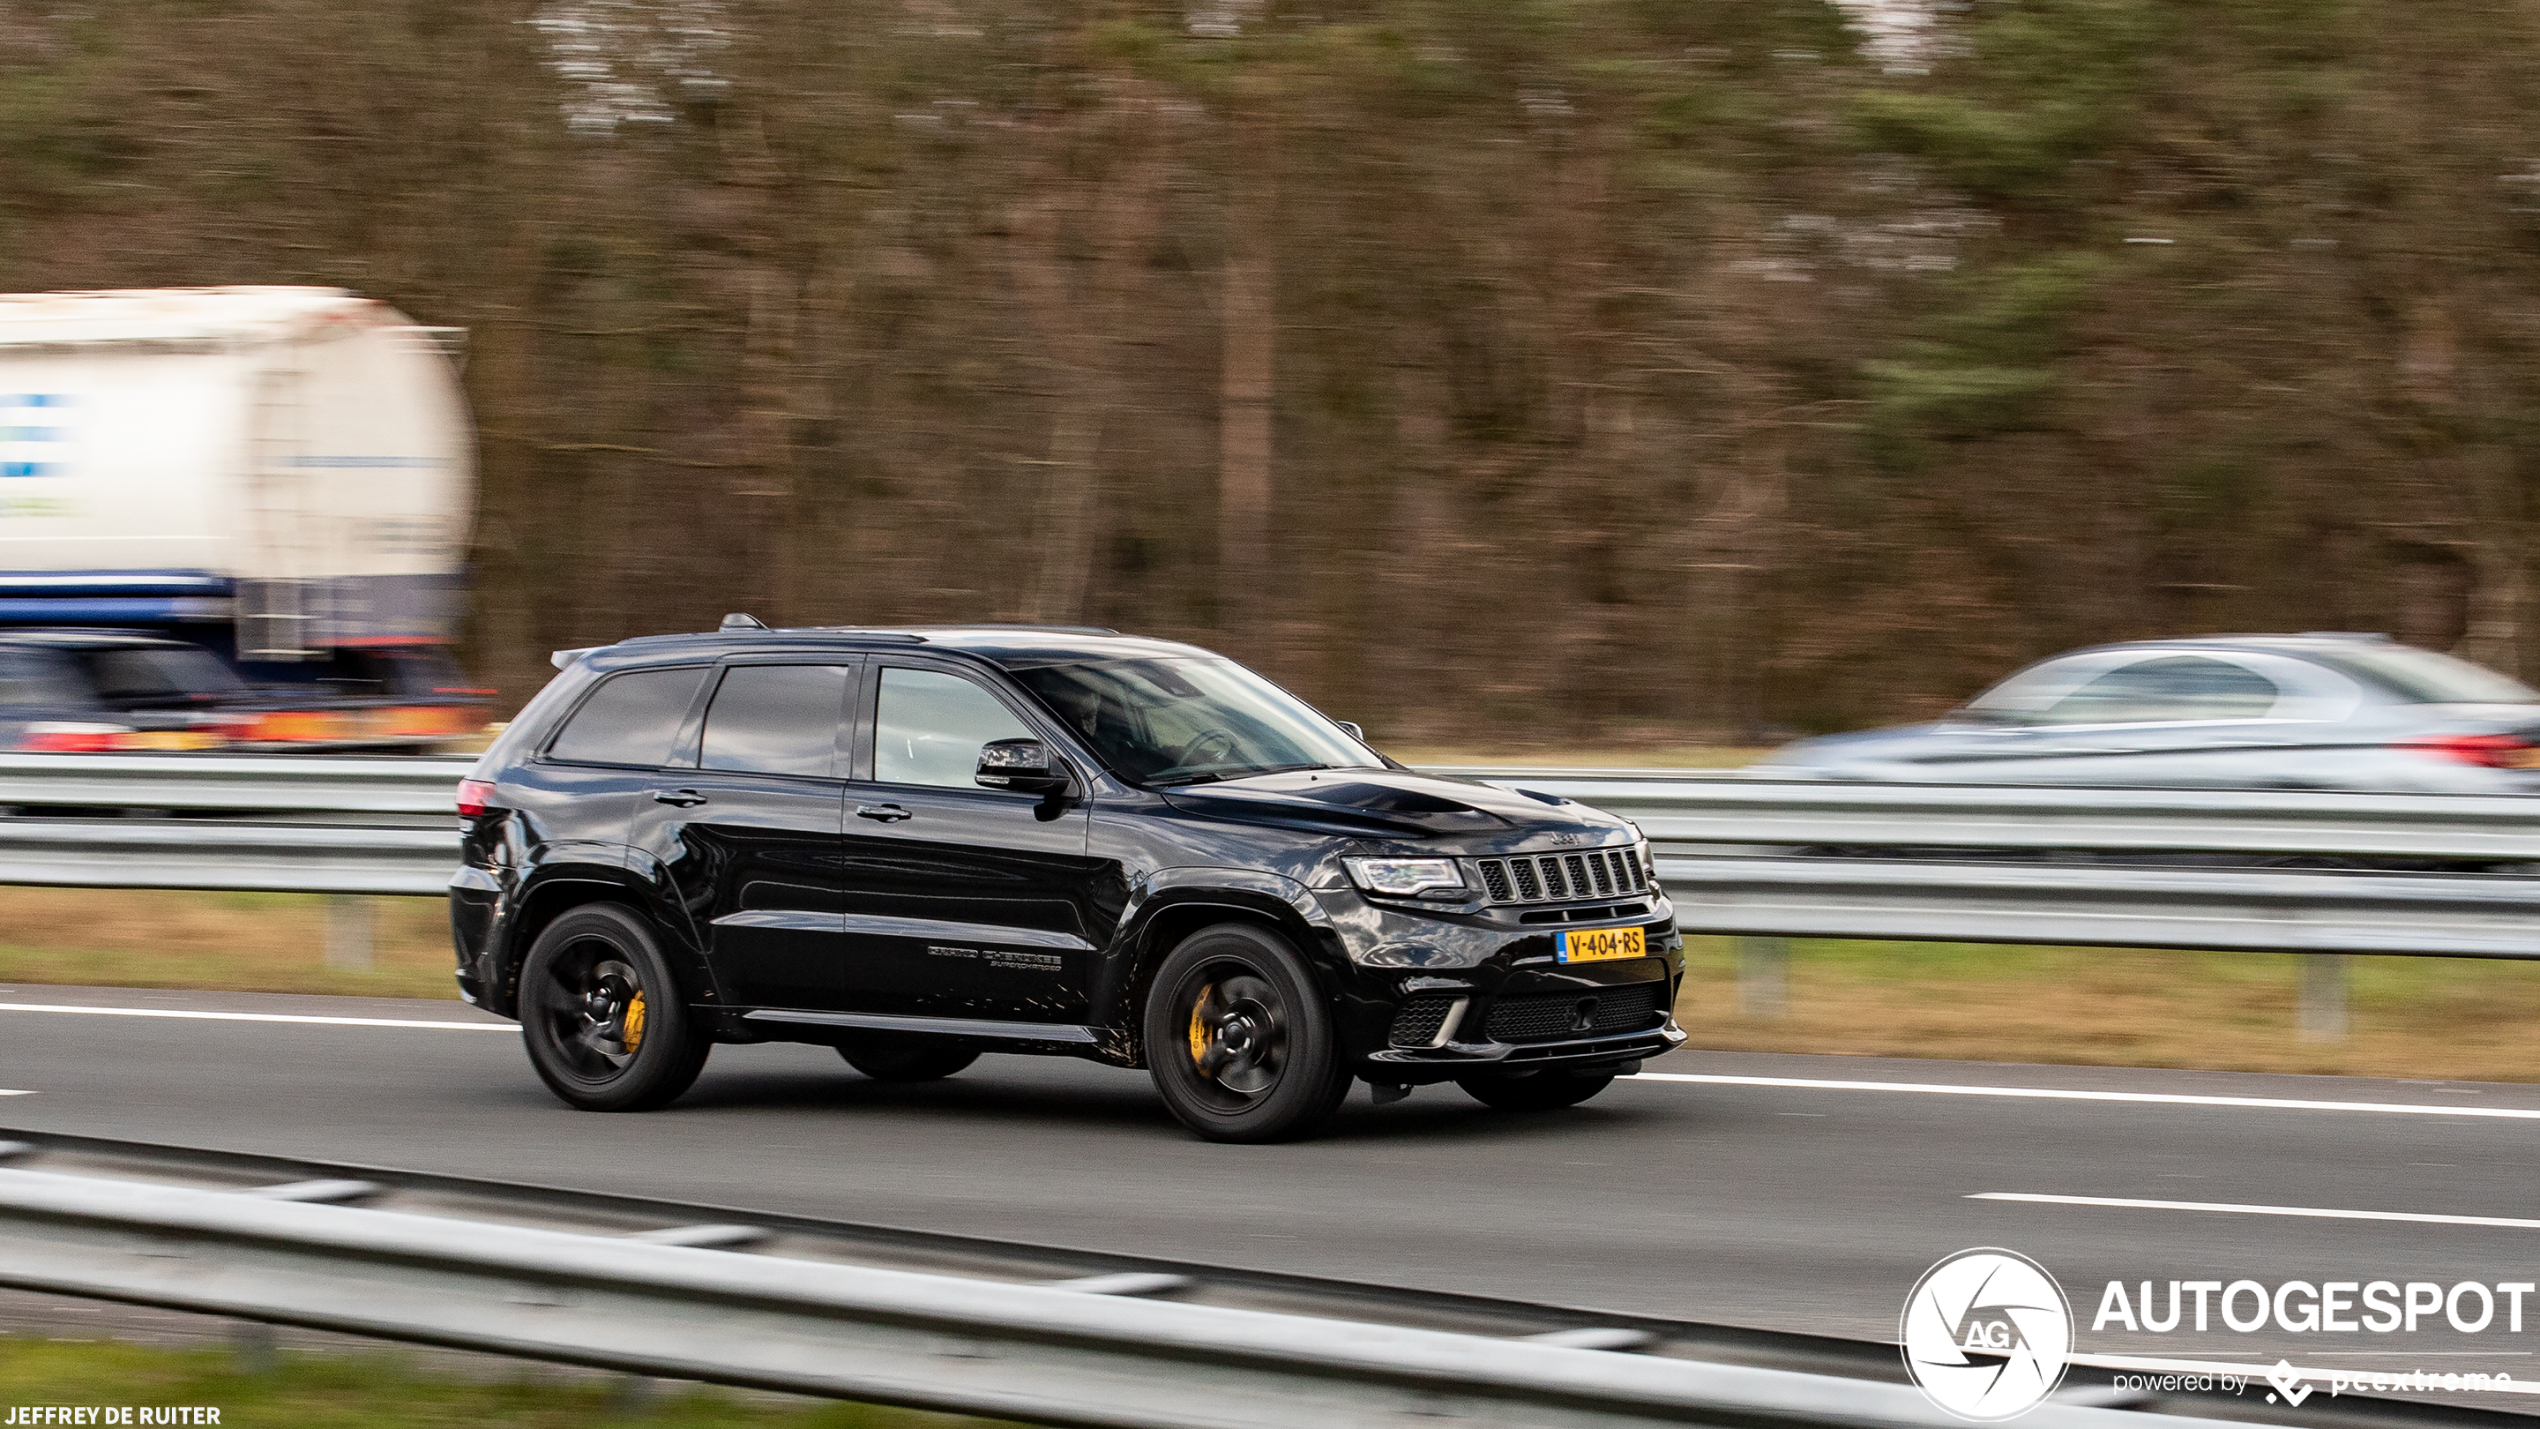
{"type": "Point", "coordinates": [1185, 757]}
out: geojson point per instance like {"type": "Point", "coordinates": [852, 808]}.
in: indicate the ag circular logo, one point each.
{"type": "Point", "coordinates": [1986, 1334]}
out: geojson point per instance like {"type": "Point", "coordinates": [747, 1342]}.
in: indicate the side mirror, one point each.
{"type": "Point", "coordinates": [1352, 730]}
{"type": "Point", "coordinates": [1022, 765]}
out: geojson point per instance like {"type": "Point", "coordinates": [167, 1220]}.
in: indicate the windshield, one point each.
{"type": "Point", "coordinates": [158, 674]}
{"type": "Point", "coordinates": [2426, 678]}
{"type": "Point", "coordinates": [1185, 721]}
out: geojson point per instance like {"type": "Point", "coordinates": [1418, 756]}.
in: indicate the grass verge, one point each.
{"type": "Point", "coordinates": [231, 942]}
{"type": "Point", "coordinates": [307, 1391]}
{"type": "Point", "coordinates": [2433, 1018]}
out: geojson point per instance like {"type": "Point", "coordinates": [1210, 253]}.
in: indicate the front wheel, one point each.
{"type": "Point", "coordinates": [601, 1016]}
{"type": "Point", "coordinates": [1239, 1043]}
{"type": "Point", "coordinates": [1533, 1091]}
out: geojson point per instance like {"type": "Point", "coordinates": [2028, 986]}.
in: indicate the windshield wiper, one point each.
{"type": "Point", "coordinates": [1180, 780]}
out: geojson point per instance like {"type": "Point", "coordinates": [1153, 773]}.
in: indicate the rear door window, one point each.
{"type": "Point", "coordinates": [777, 719]}
{"type": "Point", "coordinates": [632, 718]}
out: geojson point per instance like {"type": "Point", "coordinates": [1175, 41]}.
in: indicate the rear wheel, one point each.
{"type": "Point", "coordinates": [1534, 1091]}
{"type": "Point", "coordinates": [1237, 1039]}
{"type": "Point", "coordinates": [602, 1018]}
{"type": "Point", "coordinates": [907, 1059]}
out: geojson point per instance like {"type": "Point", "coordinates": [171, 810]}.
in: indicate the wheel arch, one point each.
{"type": "Point", "coordinates": [1174, 912]}
{"type": "Point", "coordinates": [562, 890]}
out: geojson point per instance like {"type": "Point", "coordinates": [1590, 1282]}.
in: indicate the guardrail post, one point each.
{"type": "Point", "coordinates": [1763, 977]}
{"type": "Point", "coordinates": [349, 923]}
{"type": "Point", "coordinates": [253, 1345]}
{"type": "Point", "coordinates": [2323, 1016]}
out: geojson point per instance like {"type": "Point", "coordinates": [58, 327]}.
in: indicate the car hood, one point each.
{"type": "Point", "coordinates": [1392, 803]}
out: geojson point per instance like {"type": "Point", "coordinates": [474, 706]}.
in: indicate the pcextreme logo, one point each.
{"type": "Point", "coordinates": [1987, 1334]}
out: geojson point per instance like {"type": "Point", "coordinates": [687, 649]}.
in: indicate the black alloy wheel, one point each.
{"type": "Point", "coordinates": [1237, 1039]}
{"type": "Point", "coordinates": [1534, 1091]}
{"type": "Point", "coordinates": [907, 1059]}
{"type": "Point", "coordinates": [601, 1016]}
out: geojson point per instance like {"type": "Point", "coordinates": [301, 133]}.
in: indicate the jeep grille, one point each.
{"type": "Point", "coordinates": [1564, 877]}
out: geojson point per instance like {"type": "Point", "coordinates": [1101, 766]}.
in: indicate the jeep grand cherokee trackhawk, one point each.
{"type": "Point", "coordinates": [916, 845]}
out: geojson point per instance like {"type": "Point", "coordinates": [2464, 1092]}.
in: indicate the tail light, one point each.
{"type": "Point", "coordinates": [2491, 751]}
{"type": "Point", "coordinates": [475, 796]}
{"type": "Point", "coordinates": [59, 737]}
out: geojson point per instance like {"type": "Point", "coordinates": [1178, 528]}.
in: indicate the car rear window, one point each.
{"type": "Point", "coordinates": [776, 719]}
{"type": "Point", "coordinates": [2426, 678]}
{"type": "Point", "coordinates": [632, 718]}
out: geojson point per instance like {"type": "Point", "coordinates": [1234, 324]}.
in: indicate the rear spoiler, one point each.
{"type": "Point", "coordinates": [564, 658]}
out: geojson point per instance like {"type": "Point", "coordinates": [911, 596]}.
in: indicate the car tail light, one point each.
{"type": "Point", "coordinates": [2492, 751]}
{"type": "Point", "coordinates": [475, 796]}
{"type": "Point", "coordinates": [293, 726]}
{"type": "Point", "coordinates": [55, 737]}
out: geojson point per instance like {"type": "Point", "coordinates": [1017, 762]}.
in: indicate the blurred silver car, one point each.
{"type": "Point", "coordinates": [2320, 711]}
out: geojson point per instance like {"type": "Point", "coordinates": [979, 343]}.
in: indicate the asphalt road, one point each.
{"type": "Point", "coordinates": [1801, 1207]}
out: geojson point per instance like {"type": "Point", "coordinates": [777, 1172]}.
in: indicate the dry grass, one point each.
{"type": "Point", "coordinates": [243, 942]}
{"type": "Point", "coordinates": [2438, 1018]}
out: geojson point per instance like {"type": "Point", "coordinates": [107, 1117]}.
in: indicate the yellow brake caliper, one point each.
{"type": "Point", "coordinates": [633, 1036]}
{"type": "Point", "coordinates": [1199, 1029]}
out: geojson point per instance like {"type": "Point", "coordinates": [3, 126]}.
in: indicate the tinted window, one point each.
{"type": "Point", "coordinates": [1189, 720]}
{"type": "Point", "coordinates": [776, 719]}
{"type": "Point", "coordinates": [2177, 687]}
{"type": "Point", "coordinates": [928, 727]}
{"type": "Point", "coordinates": [630, 719]}
{"type": "Point", "coordinates": [151, 675]}
{"type": "Point", "coordinates": [31, 679]}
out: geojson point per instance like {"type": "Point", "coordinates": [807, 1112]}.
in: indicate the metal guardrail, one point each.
{"type": "Point", "coordinates": [1730, 848]}
{"type": "Point", "coordinates": [272, 823]}
{"type": "Point", "coordinates": [1042, 1353]}
{"type": "Point", "coordinates": [1697, 812]}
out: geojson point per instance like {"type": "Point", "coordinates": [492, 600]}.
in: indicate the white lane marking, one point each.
{"type": "Point", "coordinates": [12, 1092]}
{"type": "Point", "coordinates": [1944, 1089]}
{"type": "Point", "coordinates": [2229, 1208]}
{"type": "Point", "coordinates": [258, 1017]}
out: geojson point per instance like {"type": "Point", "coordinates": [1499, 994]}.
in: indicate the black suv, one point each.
{"type": "Point", "coordinates": [917, 845]}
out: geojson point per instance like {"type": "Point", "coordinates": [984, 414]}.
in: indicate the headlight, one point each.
{"type": "Point", "coordinates": [1404, 877]}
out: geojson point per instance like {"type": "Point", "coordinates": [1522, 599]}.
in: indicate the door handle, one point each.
{"type": "Point", "coordinates": [679, 798]}
{"type": "Point", "coordinates": [882, 813]}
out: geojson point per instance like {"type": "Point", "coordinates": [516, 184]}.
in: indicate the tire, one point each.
{"type": "Point", "coordinates": [1533, 1091]}
{"type": "Point", "coordinates": [1238, 1039]}
{"type": "Point", "coordinates": [602, 1018]}
{"type": "Point", "coordinates": [907, 1060]}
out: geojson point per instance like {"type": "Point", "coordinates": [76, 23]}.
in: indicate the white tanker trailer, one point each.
{"type": "Point", "coordinates": [280, 475]}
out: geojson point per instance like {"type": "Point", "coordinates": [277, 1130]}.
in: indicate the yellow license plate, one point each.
{"type": "Point", "coordinates": [2521, 759]}
{"type": "Point", "coordinates": [1597, 945]}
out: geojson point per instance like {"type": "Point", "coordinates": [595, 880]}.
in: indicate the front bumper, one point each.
{"type": "Point", "coordinates": [1411, 1066]}
{"type": "Point", "coordinates": [1485, 976]}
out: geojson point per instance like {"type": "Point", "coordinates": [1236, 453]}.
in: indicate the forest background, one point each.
{"type": "Point", "coordinates": [1603, 369]}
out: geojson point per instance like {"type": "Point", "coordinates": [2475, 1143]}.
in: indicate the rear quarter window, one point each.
{"type": "Point", "coordinates": [633, 718]}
